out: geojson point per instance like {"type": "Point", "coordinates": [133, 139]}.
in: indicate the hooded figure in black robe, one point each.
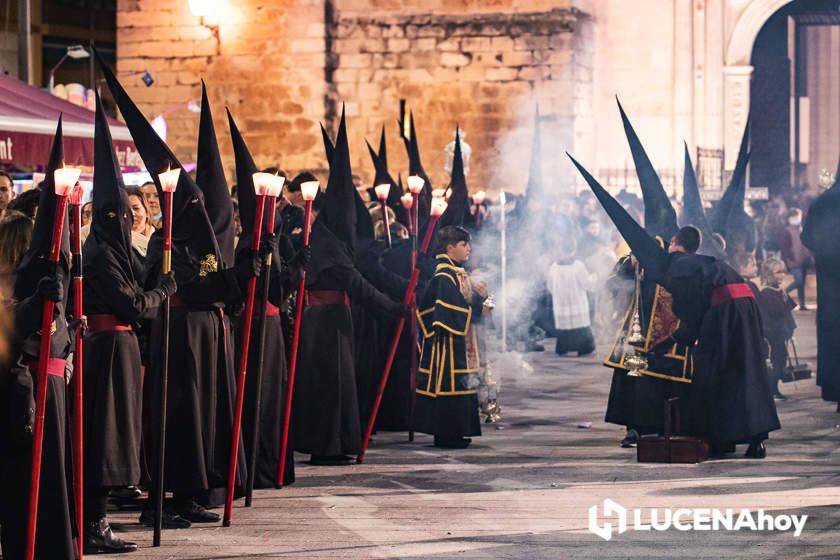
{"type": "Point", "coordinates": [200, 389]}
{"type": "Point", "coordinates": [731, 395]}
{"type": "Point", "coordinates": [819, 234]}
{"type": "Point", "coordinates": [728, 217]}
{"type": "Point", "coordinates": [638, 402]}
{"type": "Point", "coordinates": [693, 213]}
{"type": "Point", "coordinates": [114, 303]}
{"type": "Point", "coordinates": [326, 409]}
{"type": "Point", "coordinates": [275, 373]}
{"type": "Point", "coordinates": [36, 281]}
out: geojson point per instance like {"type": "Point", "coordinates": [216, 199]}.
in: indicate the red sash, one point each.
{"type": "Point", "coordinates": [271, 310]}
{"type": "Point", "coordinates": [326, 297]}
{"type": "Point", "coordinates": [728, 292]}
{"type": "Point", "coordinates": [55, 366]}
{"type": "Point", "coordinates": [101, 322]}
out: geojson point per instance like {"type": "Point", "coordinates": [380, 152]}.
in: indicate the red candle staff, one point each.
{"type": "Point", "coordinates": [75, 203]}
{"type": "Point", "coordinates": [308, 190]}
{"type": "Point", "coordinates": [65, 178]}
{"type": "Point", "coordinates": [438, 208]}
{"type": "Point", "coordinates": [415, 187]}
{"type": "Point", "coordinates": [168, 183]}
{"type": "Point", "coordinates": [274, 189]}
{"type": "Point", "coordinates": [478, 201]}
{"type": "Point", "coordinates": [407, 201]}
{"type": "Point", "coordinates": [382, 195]}
{"type": "Point", "coordinates": [262, 186]}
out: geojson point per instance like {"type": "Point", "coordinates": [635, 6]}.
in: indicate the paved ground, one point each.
{"type": "Point", "coordinates": [525, 488]}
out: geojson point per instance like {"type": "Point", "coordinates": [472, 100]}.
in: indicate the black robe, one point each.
{"type": "Point", "coordinates": [373, 331]}
{"type": "Point", "coordinates": [447, 396]}
{"type": "Point", "coordinates": [113, 391]}
{"type": "Point", "coordinates": [54, 538]}
{"type": "Point", "coordinates": [201, 385]}
{"type": "Point", "coordinates": [819, 234]}
{"type": "Point", "coordinates": [731, 395]}
{"type": "Point", "coordinates": [779, 324]}
{"type": "Point", "coordinates": [275, 376]}
{"type": "Point", "coordinates": [326, 405]}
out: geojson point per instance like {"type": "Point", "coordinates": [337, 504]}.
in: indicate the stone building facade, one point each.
{"type": "Point", "coordinates": [682, 68]}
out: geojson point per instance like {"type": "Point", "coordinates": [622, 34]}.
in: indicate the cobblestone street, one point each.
{"type": "Point", "coordinates": [524, 489]}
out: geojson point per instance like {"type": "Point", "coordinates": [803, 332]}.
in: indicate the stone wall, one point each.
{"type": "Point", "coordinates": [282, 66]}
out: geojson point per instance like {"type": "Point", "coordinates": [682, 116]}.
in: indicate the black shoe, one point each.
{"type": "Point", "coordinates": [169, 521]}
{"type": "Point", "coordinates": [534, 347]}
{"type": "Point", "coordinates": [756, 450]}
{"type": "Point", "coordinates": [195, 513]}
{"type": "Point", "coordinates": [456, 443]}
{"type": "Point", "coordinates": [99, 539]}
{"type": "Point", "coordinates": [126, 493]}
{"type": "Point", "coordinates": [331, 460]}
{"type": "Point", "coordinates": [631, 439]}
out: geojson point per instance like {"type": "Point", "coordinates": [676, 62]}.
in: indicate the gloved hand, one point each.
{"type": "Point", "coordinates": [167, 284]}
{"type": "Point", "coordinates": [301, 258]}
{"type": "Point", "coordinates": [267, 245]}
{"type": "Point", "coordinates": [50, 289]}
{"type": "Point", "coordinates": [249, 266]}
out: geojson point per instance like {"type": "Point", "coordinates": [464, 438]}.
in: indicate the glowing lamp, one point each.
{"type": "Point", "coordinates": [65, 179]}
{"type": "Point", "coordinates": [478, 198]}
{"type": "Point", "coordinates": [309, 190]}
{"type": "Point", "coordinates": [382, 191]}
{"type": "Point", "coordinates": [438, 206]}
{"type": "Point", "coordinates": [262, 183]}
{"type": "Point", "coordinates": [169, 179]}
{"type": "Point", "coordinates": [275, 187]}
{"type": "Point", "coordinates": [438, 193]}
{"type": "Point", "coordinates": [407, 201]}
{"type": "Point", "coordinates": [415, 184]}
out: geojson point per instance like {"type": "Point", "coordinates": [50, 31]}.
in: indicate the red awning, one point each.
{"type": "Point", "coordinates": [28, 117]}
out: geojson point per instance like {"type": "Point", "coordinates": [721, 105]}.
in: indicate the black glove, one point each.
{"type": "Point", "coordinates": [301, 258]}
{"type": "Point", "coordinates": [249, 266]}
{"type": "Point", "coordinates": [287, 248]}
{"type": "Point", "coordinates": [267, 245]}
{"type": "Point", "coordinates": [50, 289]}
{"type": "Point", "coordinates": [167, 284]}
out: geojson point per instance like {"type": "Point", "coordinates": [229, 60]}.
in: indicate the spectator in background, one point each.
{"type": "Point", "coordinates": [795, 255]}
{"type": "Point", "coordinates": [141, 227]}
{"type": "Point", "coordinates": [7, 191]}
{"type": "Point", "coordinates": [15, 233]}
{"type": "Point", "coordinates": [87, 213]}
{"type": "Point", "coordinates": [570, 283]}
{"type": "Point", "coordinates": [150, 194]}
{"type": "Point", "coordinates": [27, 202]}
{"type": "Point", "coordinates": [778, 322]}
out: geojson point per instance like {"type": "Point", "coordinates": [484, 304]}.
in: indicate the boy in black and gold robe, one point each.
{"type": "Point", "coordinates": [447, 400]}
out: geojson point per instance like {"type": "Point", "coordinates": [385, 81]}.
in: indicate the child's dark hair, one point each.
{"type": "Point", "coordinates": [450, 235]}
{"type": "Point", "coordinates": [688, 238]}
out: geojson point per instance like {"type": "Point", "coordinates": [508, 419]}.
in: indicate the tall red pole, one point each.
{"type": "Point", "coordinates": [41, 395]}
{"type": "Point", "coordinates": [287, 401]}
{"type": "Point", "coordinates": [168, 182]}
{"type": "Point", "coordinates": [242, 367]}
{"type": "Point", "coordinates": [412, 348]}
{"type": "Point", "coordinates": [78, 362]}
{"type": "Point", "coordinates": [392, 348]}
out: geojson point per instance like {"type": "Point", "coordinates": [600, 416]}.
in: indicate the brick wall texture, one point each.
{"type": "Point", "coordinates": [282, 66]}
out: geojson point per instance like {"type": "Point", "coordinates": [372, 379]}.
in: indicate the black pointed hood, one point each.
{"type": "Point", "coordinates": [245, 169]}
{"type": "Point", "coordinates": [534, 189]}
{"type": "Point", "coordinates": [111, 219]}
{"type": "Point", "coordinates": [210, 177]}
{"type": "Point", "coordinates": [383, 148]}
{"type": "Point", "coordinates": [459, 201]}
{"type": "Point", "coordinates": [731, 203]}
{"type": "Point", "coordinates": [35, 262]}
{"type": "Point", "coordinates": [693, 213]}
{"type": "Point", "coordinates": [660, 217]}
{"type": "Point", "coordinates": [339, 209]}
{"type": "Point", "coordinates": [329, 147]}
{"type": "Point", "coordinates": [415, 167]}
{"type": "Point", "coordinates": [190, 224]}
{"type": "Point", "coordinates": [382, 176]}
{"type": "Point", "coordinates": [651, 256]}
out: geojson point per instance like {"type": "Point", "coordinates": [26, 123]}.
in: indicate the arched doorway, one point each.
{"type": "Point", "coordinates": [794, 89]}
